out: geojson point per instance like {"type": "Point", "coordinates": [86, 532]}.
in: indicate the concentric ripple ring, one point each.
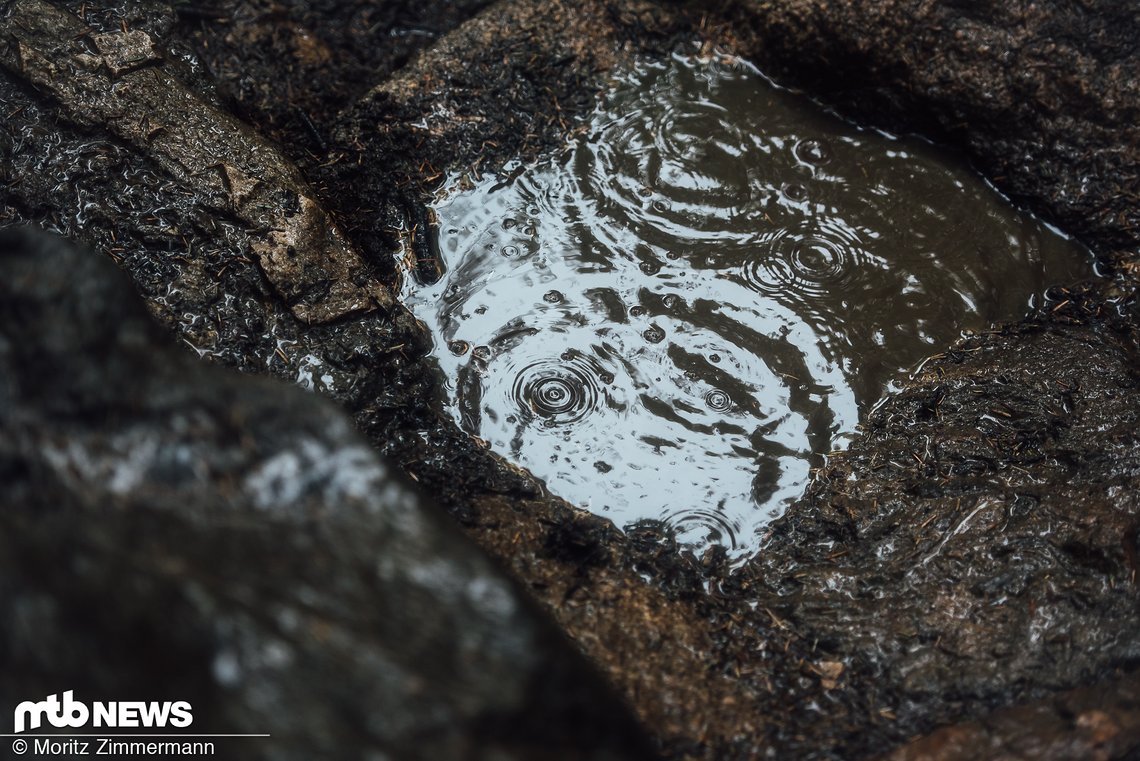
{"type": "Point", "coordinates": [558, 393]}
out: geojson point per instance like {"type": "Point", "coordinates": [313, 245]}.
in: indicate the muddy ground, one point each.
{"type": "Point", "coordinates": [969, 563]}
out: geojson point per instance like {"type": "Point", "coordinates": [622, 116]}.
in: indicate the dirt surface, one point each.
{"type": "Point", "coordinates": [974, 549]}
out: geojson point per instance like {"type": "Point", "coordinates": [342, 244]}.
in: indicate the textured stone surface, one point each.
{"type": "Point", "coordinates": [1099, 722]}
{"type": "Point", "coordinates": [122, 86]}
{"type": "Point", "coordinates": [174, 531]}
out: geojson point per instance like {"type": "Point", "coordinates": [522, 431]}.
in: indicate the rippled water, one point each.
{"type": "Point", "coordinates": [673, 318]}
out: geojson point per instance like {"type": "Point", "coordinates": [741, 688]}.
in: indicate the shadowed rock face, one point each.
{"type": "Point", "coordinates": [172, 531]}
{"type": "Point", "coordinates": [1090, 722]}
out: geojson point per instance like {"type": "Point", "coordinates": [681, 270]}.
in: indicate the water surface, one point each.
{"type": "Point", "coordinates": [674, 317]}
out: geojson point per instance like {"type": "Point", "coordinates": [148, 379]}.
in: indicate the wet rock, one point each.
{"type": "Point", "coordinates": [976, 545]}
{"type": "Point", "coordinates": [1099, 722]}
{"type": "Point", "coordinates": [931, 589]}
{"type": "Point", "coordinates": [509, 81]}
{"type": "Point", "coordinates": [117, 81]}
{"type": "Point", "coordinates": [323, 55]}
{"type": "Point", "coordinates": [173, 531]}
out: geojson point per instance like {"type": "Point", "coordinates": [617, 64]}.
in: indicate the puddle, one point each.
{"type": "Point", "coordinates": [675, 317]}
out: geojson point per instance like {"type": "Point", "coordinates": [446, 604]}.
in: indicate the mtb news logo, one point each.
{"type": "Point", "coordinates": [72, 713]}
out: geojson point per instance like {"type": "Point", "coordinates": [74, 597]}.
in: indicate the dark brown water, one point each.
{"type": "Point", "coordinates": [677, 315]}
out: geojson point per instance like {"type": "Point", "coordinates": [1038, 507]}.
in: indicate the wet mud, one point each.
{"type": "Point", "coordinates": [970, 557]}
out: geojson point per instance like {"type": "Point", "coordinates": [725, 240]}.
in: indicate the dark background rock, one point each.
{"type": "Point", "coordinates": [1098, 722]}
{"type": "Point", "coordinates": [173, 531]}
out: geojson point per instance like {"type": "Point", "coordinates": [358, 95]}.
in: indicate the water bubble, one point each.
{"type": "Point", "coordinates": [481, 352]}
{"type": "Point", "coordinates": [794, 191]}
{"type": "Point", "coordinates": [650, 268]}
{"type": "Point", "coordinates": [606, 377]}
{"type": "Point", "coordinates": [671, 301]}
{"type": "Point", "coordinates": [509, 224]}
{"type": "Point", "coordinates": [714, 358]}
{"type": "Point", "coordinates": [659, 206]}
{"type": "Point", "coordinates": [510, 251]}
{"type": "Point", "coordinates": [636, 310]}
{"type": "Point", "coordinates": [458, 348]}
{"type": "Point", "coordinates": [814, 152]}
{"type": "Point", "coordinates": [653, 334]}
{"type": "Point", "coordinates": [552, 297]}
